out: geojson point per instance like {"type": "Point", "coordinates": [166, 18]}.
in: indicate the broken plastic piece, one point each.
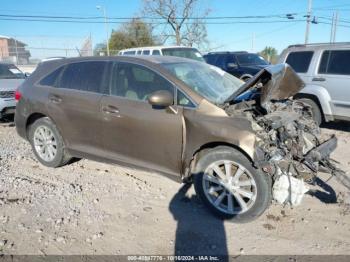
{"type": "Point", "coordinates": [288, 189]}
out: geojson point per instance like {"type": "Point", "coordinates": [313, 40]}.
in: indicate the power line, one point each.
{"type": "Point", "coordinates": [287, 15]}
{"type": "Point", "coordinates": [151, 23]}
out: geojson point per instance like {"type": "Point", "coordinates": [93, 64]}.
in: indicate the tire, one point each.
{"type": "Point", "coordinates": [61, 157]}
{"type": "Point", "coordinates": [246, 79]}
{"type": "Point", "coordinates": [316, 111]}
{"type": "Point", "coordinates": [259, 186]}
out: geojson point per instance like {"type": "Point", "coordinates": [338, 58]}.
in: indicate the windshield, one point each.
{"type": "Point", "coordinates": [8, 71]}
{"type": "Point", "coordinates": [209, 81]}
{"type": "Point", "coordinates": [190, 53]}
{"type": "Point", "coordinates": [250, 59]}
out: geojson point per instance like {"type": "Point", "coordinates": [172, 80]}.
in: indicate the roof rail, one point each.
{"type": "Point", "coordinates": [316, 44]}
{"type": "Point", "coordinates": [227, 52]}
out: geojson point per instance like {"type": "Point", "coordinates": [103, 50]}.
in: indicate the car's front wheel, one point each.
{"type": "Point", "coordinates": [47, 143]}
{"type": "Point", "coordinates": [230, 186]}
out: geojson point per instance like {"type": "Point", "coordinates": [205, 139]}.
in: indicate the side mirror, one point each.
{"type": "Point", "coordinates": [231, 65]}
{"type": "Point", "coordinates": [26, 74]}
{"type": "Point", "coordinates": [161, 99]}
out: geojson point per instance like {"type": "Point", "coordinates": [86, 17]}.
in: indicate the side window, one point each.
{"type": "Point", "coordinates": [156, 52]}
{"type": "Point", "coordinates": [300, 61]}
{"type": "Point", "coordinates": [182, 100]}
{"type": "Point", "coordinates": [52, 79]}
{"type": "Point", "coordinates": [210, 59]}
{"type": "Point", "coordinates": [231, 59]}
{"type": "Point", "coordinates": [130, 53]}
{"type": "Point", "coordinates": [139, 52]}
{"type": "Point", "coordinates": [85, 76]}
{"type": "Point", "coordinates": [220, 62]}
{"type": "Point", "coordinates": [335, 62]}
{"type": "Point", "coordinates": [145, 52]}
{"type": "Point", "coordinates": [137, 82]}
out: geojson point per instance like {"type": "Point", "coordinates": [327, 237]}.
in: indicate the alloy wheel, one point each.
{"type": "Point", "coordinates": [45, 143]}
{"type": "Point", "coordinates": [229, 187]}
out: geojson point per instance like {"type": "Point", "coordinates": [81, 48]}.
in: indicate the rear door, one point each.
{"type": "Point", "coordinates": [74, 104]}
{"type": "Point", "coordinates": [133, 131]}
{"type": "Point", "coordinates": [300, 61]}
{"type": "Point", "coordinates": [334, 74]}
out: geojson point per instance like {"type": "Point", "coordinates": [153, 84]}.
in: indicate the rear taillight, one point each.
{"type": "Point", "coordinates": [18, 95]}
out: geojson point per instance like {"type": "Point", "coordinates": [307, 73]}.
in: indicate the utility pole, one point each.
{"type": "Point", "coordinates": [332, 28]}
{"type": "Point", "coordinates": [335, 26]}
{"type": "Point", "coordinates": [253, 41]}
{"type": "Point", "coordinates": [308, 21]}
{"type": "Point", "coordinates": [103, 9]}
{"type": "Point", "coordinates": [16, 51]}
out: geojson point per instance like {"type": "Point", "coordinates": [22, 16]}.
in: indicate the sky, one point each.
{"type": "Point", "coordinates": [43, 38]}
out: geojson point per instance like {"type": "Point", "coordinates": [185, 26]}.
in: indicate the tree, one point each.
{"type": "Point", "coordinates": [270, 54]}
{"type": "Point", "coordinates": [182, 18]}
{"type": "Point", "coordinates": [135, 33]}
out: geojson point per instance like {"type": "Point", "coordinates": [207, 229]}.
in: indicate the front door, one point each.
{"type": "Point", "coordinates": [334, 75]}
{"type": "Point", "coordinates": [134, 132]}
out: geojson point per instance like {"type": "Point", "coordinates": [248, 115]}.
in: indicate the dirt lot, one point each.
{"type": "Point", "coordinates": [94, 208]}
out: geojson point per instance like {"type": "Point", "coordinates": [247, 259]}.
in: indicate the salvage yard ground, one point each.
{"type": "Point", "coordinates": [93, 208]}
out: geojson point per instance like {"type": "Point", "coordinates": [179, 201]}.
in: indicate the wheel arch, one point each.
{"type": "Point", "coordinates": [321, 96]}
{"type": "Point", "coordinates": [313, 98]}
{"type": "Point", "coordinates": [37, 115]}
{"type": "Point", "coordinates": [207, 146]}
{"type": "Point", "coordinates": [245, 76]}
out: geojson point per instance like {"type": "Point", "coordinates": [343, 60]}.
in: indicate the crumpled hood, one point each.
{"type": "Point", "coordinates": [278, 82]}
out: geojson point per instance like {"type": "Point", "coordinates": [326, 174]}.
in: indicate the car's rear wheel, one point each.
{"type": "Point", "coordinates": [47, 143]}
{"type": "Point", "coordinates": [230, 186]}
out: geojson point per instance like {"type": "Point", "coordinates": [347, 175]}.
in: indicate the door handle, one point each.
{"type": "Point", "coordinates": [319, 79]}
{"type": "Point", "coordinates": [55, 99]}
{"type": "Point", "coordinates": [110, 109]}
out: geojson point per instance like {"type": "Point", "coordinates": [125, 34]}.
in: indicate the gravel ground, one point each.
{"type": "Point", "coordinates": [94, 208]}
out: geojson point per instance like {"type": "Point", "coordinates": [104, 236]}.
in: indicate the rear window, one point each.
{"type": "Point", "coordinates": [9, 71]}
{"type": "Point", "coordinates": [52, 79]}
{"type": "Point", "coordinates": [85, 76]}
{"type": "Point", "coordinates": [335, 62]}
{"type": "Point", "coordinates": [300, 61]}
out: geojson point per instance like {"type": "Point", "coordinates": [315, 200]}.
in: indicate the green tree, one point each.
{"type": "Point", "coordinates": [270, 54]}
{"type": "Point", "coordinates": [135, 33]}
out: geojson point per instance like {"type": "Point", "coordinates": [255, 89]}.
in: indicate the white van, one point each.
{"type": "Point", "coordinates": [180, 51]}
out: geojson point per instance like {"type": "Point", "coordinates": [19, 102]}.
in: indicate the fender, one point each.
{"type": "Point", "coordinates": [323, 96]}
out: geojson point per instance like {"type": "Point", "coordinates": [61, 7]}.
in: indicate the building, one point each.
{"type": "Point", "coordinates": [13, 50]}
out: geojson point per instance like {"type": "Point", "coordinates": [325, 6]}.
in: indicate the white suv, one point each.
{"type": "Point", "coordinates": [325, 68]}
{"type": "Point", "coordinates": [180, 51]}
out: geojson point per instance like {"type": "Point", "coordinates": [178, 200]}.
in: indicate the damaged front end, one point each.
{"type": "Point", "coordinates": [289, 147]}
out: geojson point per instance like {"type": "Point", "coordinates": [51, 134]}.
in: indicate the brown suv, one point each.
{"type": "Point", "coordinates": [178, 117]}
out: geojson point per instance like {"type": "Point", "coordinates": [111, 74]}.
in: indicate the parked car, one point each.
{"type": "Point", "coordinates": [325, 69]}
{"type": "Point", "coordinates": [179, 51]}
{"type": "Point", "coordinates": [242, 65]}
{"type": "Point", "coordinates": [178, 117]}
{"type": "Point", "coordinates": [10, 78]}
